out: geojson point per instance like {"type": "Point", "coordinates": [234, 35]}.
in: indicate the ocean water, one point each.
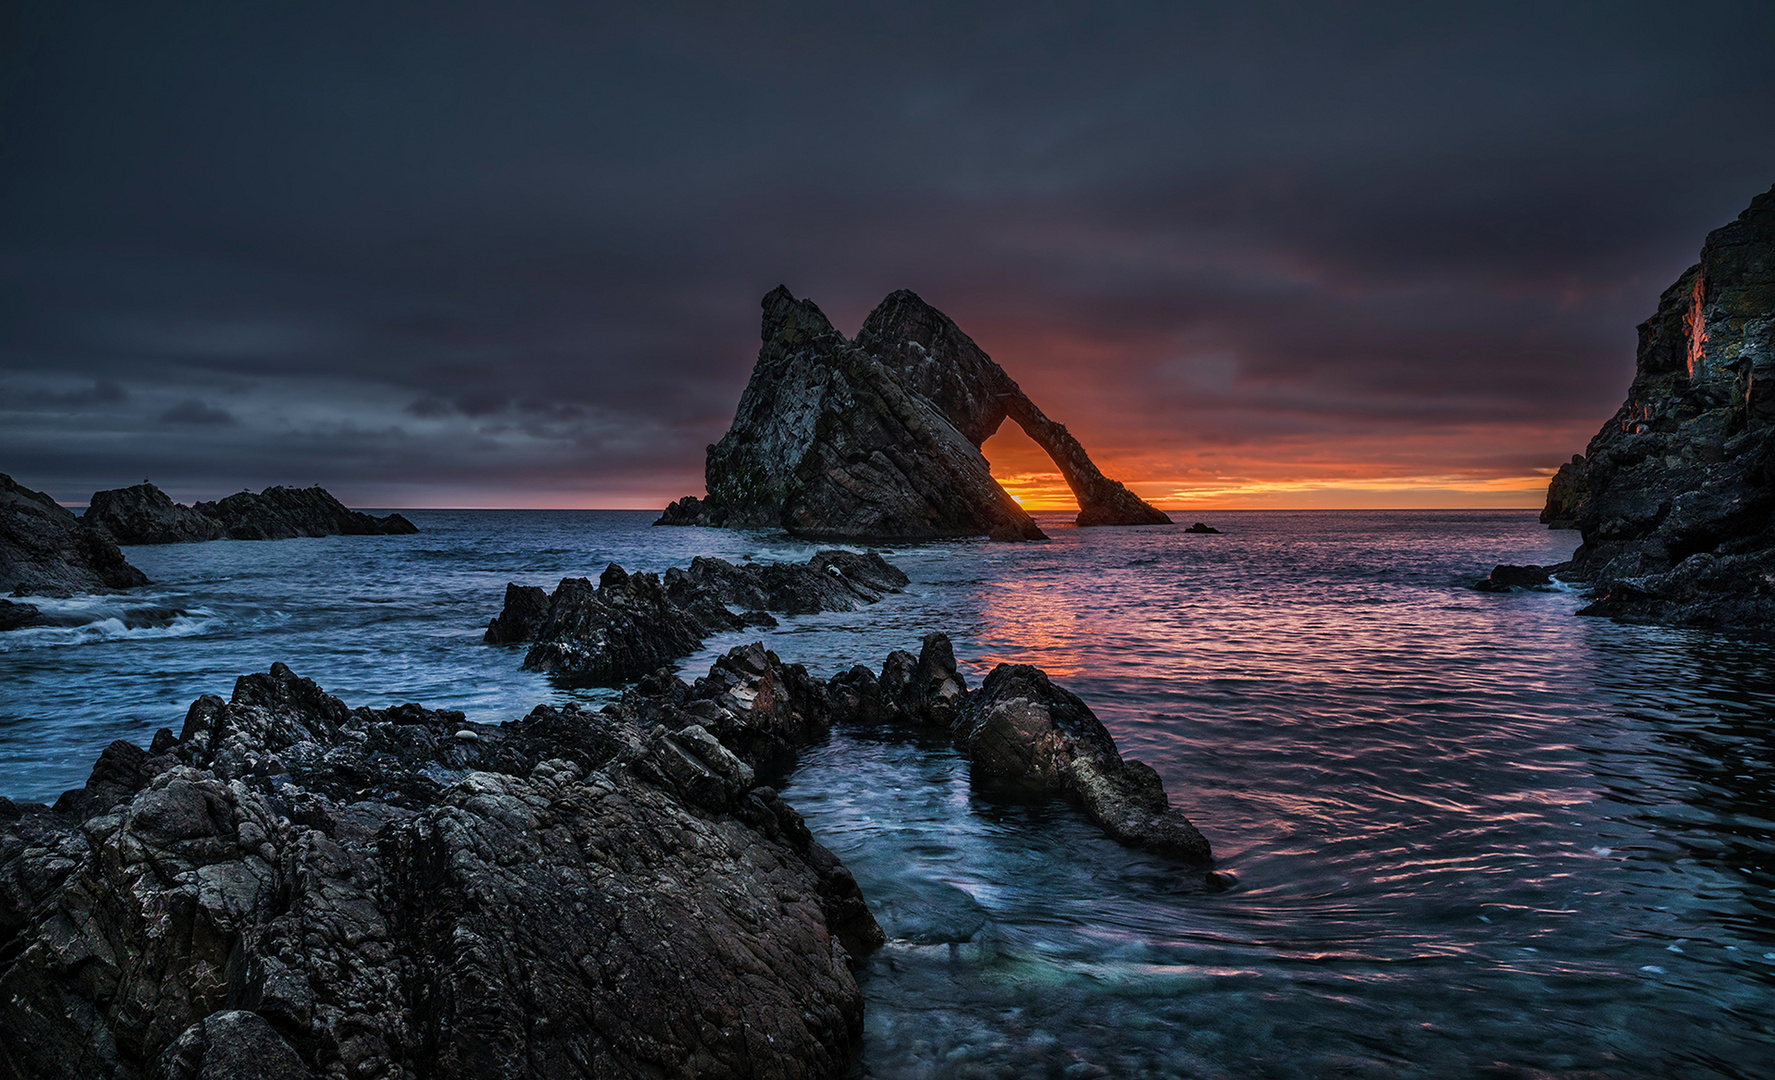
{"type": "Point", "coordinates": [1473, 835]}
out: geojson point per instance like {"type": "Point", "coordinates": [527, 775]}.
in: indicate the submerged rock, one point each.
{"type": "Point", "coordinates": [1204, 528]}
{"type": "Point", "coordinates": [630, 624]}
{"type": "Point", "coordinates": [294, 888]}
{"type": "Point", "coordinates": [46, 551]}
{"type": "Point", "coordinates": [1674, 495]}
{"type": "Point", "coordinates": [144, 514]}
{"type": "Point", "coordinates": [880, 438]}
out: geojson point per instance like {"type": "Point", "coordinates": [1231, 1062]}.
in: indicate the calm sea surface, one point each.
{"type": "Point", "coordinates": [1474, 835]}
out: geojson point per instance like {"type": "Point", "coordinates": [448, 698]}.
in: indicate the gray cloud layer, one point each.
{"type": "Point", "coordinates": [432, 256]}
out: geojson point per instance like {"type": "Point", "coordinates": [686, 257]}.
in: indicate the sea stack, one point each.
{"type": "Point", "coordinates": [1674, 495]}
{"type": "Point", "coordinates": [879, 438]}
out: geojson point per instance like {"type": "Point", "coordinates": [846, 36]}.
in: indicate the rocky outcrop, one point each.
{"type": "Point", "coordinates": [1674, 495]}
{"type": "Point", "coordinates": [1565, 495]}
{"type": "Point", "coordinates": [630, 624]}
{"type": "Point", "coordinates": [46, 551]}
{"type": "Point", "coordinates": [1022, 732]}
{"type": "Point", "coordinates": [144, 514]}
{"type": "Point", "coordinates": [293, 888]}
{"type": "Point", "coordinates": [879, 438]}
{"type": "Point", "coordinates": [1505, 577]}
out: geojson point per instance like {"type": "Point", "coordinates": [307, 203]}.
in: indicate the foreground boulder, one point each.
{"type": "Point", "coordinates": [630, 624]}
{"type": "Point", "coordinates": [1674, 495]}
{"type": "Point", "coordinates": [1024, 734]}
{"type": "Point", "coordinates": [879, 438]}
{"type": "Point", "coordinates": [293, 888]}
{"type": "Point", "coordinates": [46, 551]}
{"type": "Point", "coordinates": [144, 514]}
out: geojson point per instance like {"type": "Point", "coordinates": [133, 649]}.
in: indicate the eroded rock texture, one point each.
{"type": "Point", "coordinates": [144, 514]}
{"type": "Point", "coordinates": [292, 888]}
{"type": "Point", "coordinates": [630, 624]}
{"type": "Point", "coordinates": [46, 551]}
{"type": "Point", "coordinates": [1674, 495]}
{"type": "Point", "coordinates": [879, 438]}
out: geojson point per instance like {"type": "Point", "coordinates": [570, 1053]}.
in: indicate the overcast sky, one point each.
{"type": "Point", "coordinates": [454, 255]}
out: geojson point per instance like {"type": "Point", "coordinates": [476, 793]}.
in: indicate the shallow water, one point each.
{"type": "Point", "coordinates": [1474, 835]}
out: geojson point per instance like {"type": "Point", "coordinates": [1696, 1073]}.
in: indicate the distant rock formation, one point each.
{"type": "Point", "coordinates": [630, 624]}
{"type": "Point", "coordinates": [46, 551]}
{"type": "Point", "coordinates": [144, 514]}
{"type": "Point", "coordinates": [1674, 495]}
{"type": "Point", "coordinates": [880, 438]}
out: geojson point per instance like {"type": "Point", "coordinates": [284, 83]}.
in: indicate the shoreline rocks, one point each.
{"type": "Point", "coordinates": [295, 888]}
{"type": "Point", "coordinates": [1675, 496]}
{"type": "Point", "coordinates": [46, 551]}
{"type": "Point", "coordinates": [628, 625]}
{"type": "Point", "coordinates": [879, 438]}
{"type": "Point", "coordinates": [144, 514]}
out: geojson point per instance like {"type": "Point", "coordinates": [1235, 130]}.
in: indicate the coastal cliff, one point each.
{"type": "Point", "coordinates": [879, 438]}
{"type": "Point", "coordinates": [1674, 495]}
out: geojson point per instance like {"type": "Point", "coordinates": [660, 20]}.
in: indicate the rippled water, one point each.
{"type": "Point", "coordinates": [1474, 835]}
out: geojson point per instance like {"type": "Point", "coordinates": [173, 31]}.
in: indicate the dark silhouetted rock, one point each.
{"type": "Point", "coordinates": [47, 551]}
{"type": "Point", "coordinates": [1565, 495]}
{"type": "Point", "coordinates": [630, 624]}
{"type": "Point", "coordinates": [1505, 577]}
{"type": "Point", "coordinates": [14, 616]}
{"type": "Point", "coordinates": [294, 888]}
{"type": "Point", "coordinates": [880, 438]}
{"type": "Point", "coordinates": [1203, 528]}
{"type": "Point", "coordinates": [144, 514]}
{"type": "Point", "coordinates": [1674, 495]}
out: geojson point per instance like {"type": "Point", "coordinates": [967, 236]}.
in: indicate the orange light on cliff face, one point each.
{"type": "Point", "coordinates": [1696, 325]}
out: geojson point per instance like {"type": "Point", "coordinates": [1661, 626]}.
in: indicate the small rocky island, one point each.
{"type": "Point", "coordinates": [629, 624]}
{"type": "Point", "coordinates": [879, 438]}
{"type": "Point", "coordinates": [144, 514]}
{"type": "Point", "coordinates": [294, 889]}
{"type": "Point", "coordinates": [1675, 496]}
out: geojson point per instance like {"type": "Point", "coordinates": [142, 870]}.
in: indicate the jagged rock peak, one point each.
{"type": "Point", "coordinates": [879, 438]}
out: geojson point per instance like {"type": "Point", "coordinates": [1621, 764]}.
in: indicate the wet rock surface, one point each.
{"type": "Point", "coordinates": [295, 888]}
{"type": "Point", "coordinates": [1674, 495]}
{"type": "Point", "coordinates": [630, 624]}
{"type": "Point", "coordinates": [879, 438]}
{"type": "Point", "coordinates": [46, 551]}
{"type": "Point", "coordinates": [144, 514]}
{"type": "Point", "coordinates": [1024, 736]}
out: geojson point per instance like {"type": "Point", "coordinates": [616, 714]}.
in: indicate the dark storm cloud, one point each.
{"type": "Point", "coordinates": [515, 251]}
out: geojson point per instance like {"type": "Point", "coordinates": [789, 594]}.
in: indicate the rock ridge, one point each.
{"type": "Point", "coordinates": [879, 438]}
{"type": "Point", "coordinates": [144, 514]}
{"type": "Point", "coordinates": [628, 625]}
